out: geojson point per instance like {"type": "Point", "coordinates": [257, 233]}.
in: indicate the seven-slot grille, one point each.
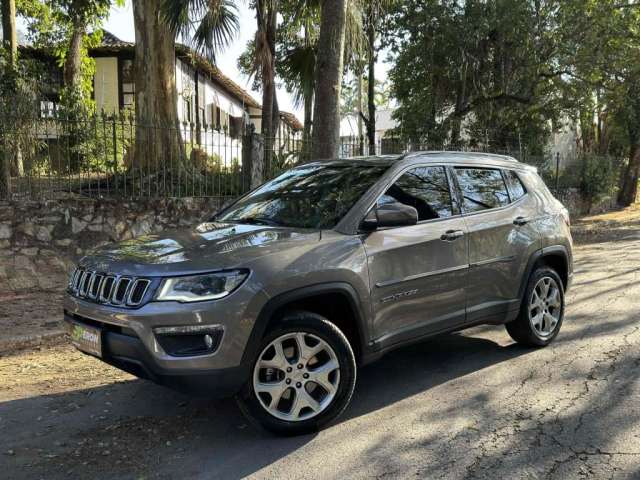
{"type": "Point", "coordinates": [115, 290]}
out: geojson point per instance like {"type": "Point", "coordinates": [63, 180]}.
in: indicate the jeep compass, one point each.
{"type": "Point", "coordinates": [281, 296]}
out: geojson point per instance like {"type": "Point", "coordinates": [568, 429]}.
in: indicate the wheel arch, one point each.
{"type": "Point", "coordinates": [328, 300]}
{"type": "Point", "coordinates": [556, 257]}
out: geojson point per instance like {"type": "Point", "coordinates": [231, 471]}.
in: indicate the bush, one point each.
{"type": "Point", "coordinates": [599, 178]}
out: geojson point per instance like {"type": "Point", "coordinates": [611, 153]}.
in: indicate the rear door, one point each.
{"type": "Point", "coordinates": [499, 217]}
{"type": "Point", "coordinates": [418, 273]}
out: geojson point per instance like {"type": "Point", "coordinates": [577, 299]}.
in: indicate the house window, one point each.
{"type": "Point", "coordinates": [216, 116]}
{"type": "Point", "coordinates": [128, 85]}
{"type": "Point", "coordinates": [187, 114]}
{"type": "Point", "coordinates": [200, 90]}
{"type": "Point", "coordinates": [48, 109]}
{"type": "Point", "coordinates": [235, 126]}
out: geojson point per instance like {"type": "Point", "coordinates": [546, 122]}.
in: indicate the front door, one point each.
{"type": "Point", "coordinates": [418, 273]}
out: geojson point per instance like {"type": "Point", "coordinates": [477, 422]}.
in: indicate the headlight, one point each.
{"type": "Point", "coordinates": [197, 288]}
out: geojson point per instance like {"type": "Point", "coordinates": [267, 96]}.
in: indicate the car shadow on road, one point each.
{"type": "Point", "coordinates": [149, 430]}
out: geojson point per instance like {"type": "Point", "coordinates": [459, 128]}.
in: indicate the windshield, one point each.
{"type": "Point", "coordinates": [314, 196]}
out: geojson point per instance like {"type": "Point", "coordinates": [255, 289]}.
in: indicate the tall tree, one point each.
{"type": "Point", "coordinates": [157, 129]}
{"type": "Point", "coordinates": [208, 26]}
{"type": "Point", "coordinates": [601, 53]}
{"type": "Point", "coordinates": [10, 44]}
{"type": "Point", "coordinates": [9, 31]}
{"type": "Point", "coordinates": [329, 70]}
{"type": "Point", "coordinates": [374, 12]}
{"type": "Point", "coordinates": [491, 68]}
{"type": "Point", "coordinates": [265, 62]}
{"type": "Point", "coordinates": [298, 43]}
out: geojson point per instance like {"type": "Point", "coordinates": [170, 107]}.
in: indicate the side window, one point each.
{"type": "Point", "coordinates": [482, 188]}
{"type": "Point", "coordinates": [516, 188]}
{"type": "Point", "coordinates": [424, 188]}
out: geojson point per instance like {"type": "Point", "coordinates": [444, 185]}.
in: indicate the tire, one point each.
{"type": "Point", "coordinates": [333, 366]}
{"type": "Point", "coordinates": [529, 328]}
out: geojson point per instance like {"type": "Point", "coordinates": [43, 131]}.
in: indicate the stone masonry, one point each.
{"type": "Point", "coordinates": [40, 241]}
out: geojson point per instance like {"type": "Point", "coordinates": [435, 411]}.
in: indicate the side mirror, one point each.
{"type": "Point", "coordinates": [394, 214]}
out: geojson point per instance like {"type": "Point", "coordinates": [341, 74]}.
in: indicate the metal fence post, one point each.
{"type": "Point", "coordinates": [557, 172]}
{"type": "Point", "coordinates": [115, 144]}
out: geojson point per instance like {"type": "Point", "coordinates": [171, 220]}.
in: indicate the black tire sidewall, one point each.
{"type": "Point", "coordinates": [321, 327]}
{"type": "Point", "coordinates": [536, 276]}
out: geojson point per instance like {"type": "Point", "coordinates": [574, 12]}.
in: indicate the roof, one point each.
{"type": "Point", "coordinates": [291, 120]}
{"type": "Point", "coordinates": [112, 44]}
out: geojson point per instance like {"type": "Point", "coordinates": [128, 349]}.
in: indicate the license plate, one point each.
{"type": "Point", "coordinates": [87, 339]}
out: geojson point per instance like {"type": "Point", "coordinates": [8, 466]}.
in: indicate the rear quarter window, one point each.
{"type": "Point", "coordinates": [482, 188]}
{"type": "Point", "coordinates": [516, 188]}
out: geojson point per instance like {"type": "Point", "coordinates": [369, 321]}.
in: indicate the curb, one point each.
{"type": "Point", "coordinates": [22, 342]}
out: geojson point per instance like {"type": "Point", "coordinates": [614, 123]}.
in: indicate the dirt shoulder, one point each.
{"type": "Point", "coordinates": [623, 224]}
{"type": "Point", "coordinates": [30, 319]}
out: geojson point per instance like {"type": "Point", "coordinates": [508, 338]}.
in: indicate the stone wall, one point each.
{"type": "Point", "coordinates": [40, 241]}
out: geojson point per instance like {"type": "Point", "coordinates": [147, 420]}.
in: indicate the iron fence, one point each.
{"type": "Point", "coordinates": [50, 156]}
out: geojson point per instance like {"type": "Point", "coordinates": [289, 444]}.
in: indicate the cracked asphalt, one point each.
{"type": "Point", "coordinates": [461, 406]}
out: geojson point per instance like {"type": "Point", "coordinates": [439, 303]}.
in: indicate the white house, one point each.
{"type": "Point", "coordinates": [349, 136]}
{"type": "Point", "coordinates": [212, 108]}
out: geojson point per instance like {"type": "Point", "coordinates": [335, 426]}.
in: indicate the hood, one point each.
{"type": "Point", "coordinates": [206, 247]}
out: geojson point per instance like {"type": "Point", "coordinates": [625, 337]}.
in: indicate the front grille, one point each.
{"type": "Point", "coordinates": [117, 290]}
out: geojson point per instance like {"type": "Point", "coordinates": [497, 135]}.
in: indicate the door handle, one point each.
{"type": "Point", "coordinates": [451, 235]}
{"type": "Point", "coordinates": [520, 221]}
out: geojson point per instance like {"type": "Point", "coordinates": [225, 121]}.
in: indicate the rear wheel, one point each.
{"type": "Point", "coordinates": [542, 310]}
{"type": "Point", "coordinates": [303, 377]}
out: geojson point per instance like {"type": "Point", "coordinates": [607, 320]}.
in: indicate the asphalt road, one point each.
{"type": "Point", "coordinates": [470, 405]}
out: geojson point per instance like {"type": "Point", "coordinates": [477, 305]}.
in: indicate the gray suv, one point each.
{"type": "Point", "coordinates": [282, 295]}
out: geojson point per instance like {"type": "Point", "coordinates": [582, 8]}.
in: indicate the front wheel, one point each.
{"type": "Point", "coordinates": [542, 310]}
{"type": "Point", "coordinates": [303, 377]}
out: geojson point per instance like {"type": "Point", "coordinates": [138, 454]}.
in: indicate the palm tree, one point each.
{"type": "Point", "coordinates": [329, 69]}
{"type": "Point", "coordinates": [297, 57]}
{"type": "Point", "coordinates": [208, 26]}
{"type": "Point", "coordinates": [265, 63]}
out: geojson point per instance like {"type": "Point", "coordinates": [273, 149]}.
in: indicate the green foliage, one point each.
{"type": "Point", "coordinates": [599, 177]}
{"type": "Point", "coordinates": [50, 25]}
{"type": "Point", "coordinates": [485, 67]}
{"type": "Point", "coordinates": [207, 26]}
{"type": "Point", "coordinates": [349, 93]}
{"type": "Point", "coordinates": [19, 96]}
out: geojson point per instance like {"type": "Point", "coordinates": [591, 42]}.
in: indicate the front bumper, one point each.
{"type": "Point", "coordinates": [127, 352]}
{"type": "Point", "coordinates": [129, 341]}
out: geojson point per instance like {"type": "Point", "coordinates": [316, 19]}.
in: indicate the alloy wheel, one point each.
{"type": "Point", "coordinates": [545, 307]}
{"type": "Point", "coordinates": [296, 377]}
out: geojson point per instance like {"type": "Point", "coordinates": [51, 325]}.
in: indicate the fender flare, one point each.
{"type": "Point", "coordinates": [273, 304]}
{"type": "Point", "coordinates": [554, 250]}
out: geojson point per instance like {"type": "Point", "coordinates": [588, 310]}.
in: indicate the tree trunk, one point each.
{"type": "Point", "coordinates": [629, 190]}
{"type": "Point", "coordinates": [10, 43]}
{"type": "Point", "coordinates": [73, 61]}
{"type": "Point", "coordinates": [306, 133]}
{"type": "Point", "coordinates": [267, 17]}
{"type": "Point", "coordinates": [9, 32]}
{"type": "Point", "coordinates": [329, 66]}
{"type": "Point", "coordinates": [371, 100]}
{"type": "Point", "coordinates": [158, 140]}
{"type": "Point", "coordinates": [360, 124]}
